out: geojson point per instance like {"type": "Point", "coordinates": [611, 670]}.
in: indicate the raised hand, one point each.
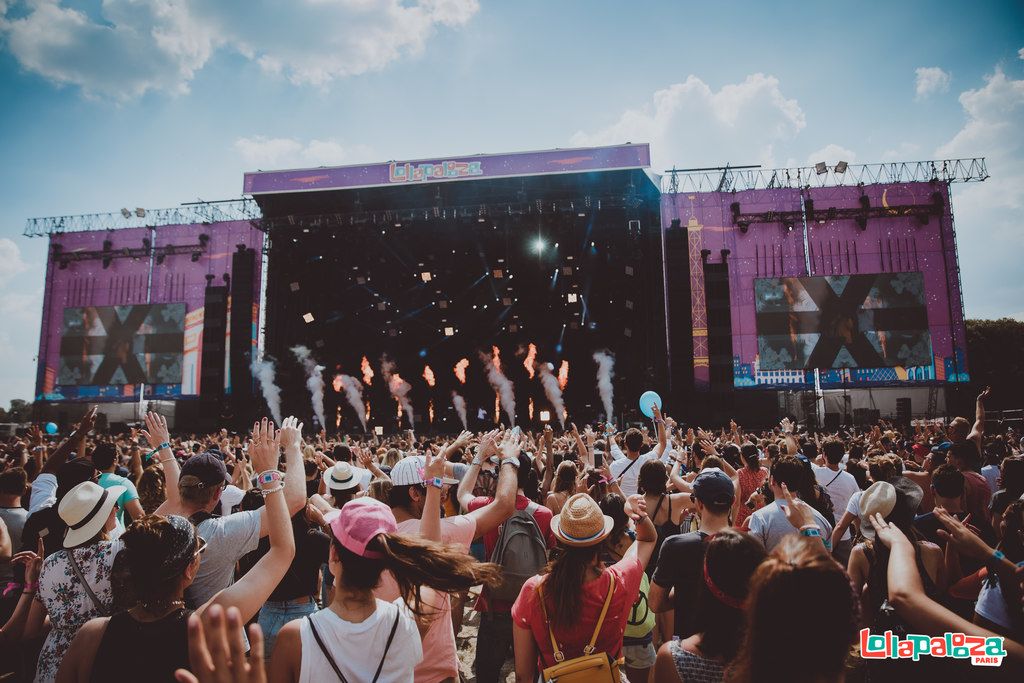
{"type": "Point", "coordinates": [33, 561]}
{"type": "Point", "coordinates": [216, 649]}
{"type": "Point", "coordinates": [264, 446]}
{"type": "Point", "coordinates": [290, 434]}
{"type": "Point", "coordinates": [87, 423]}
{"type": "Point", "coordinates": [509, 447]}
{"type": "Point", "coordinates": [960, 535]}
{"type": "Point", "coordinates": [984, 393]}
{"type": "Point", "coordinates": [797, 511]}
{"type": "Point", "coordinates": [636, 507]}
{"type": "Point", "coordinates": [488, 445]}
{"type": "Point", "coordinates": [156, 431]}
{"type": "Point", "coordinates": [434, 465]}
{"type": "Point", "coordinates": [887, 533]}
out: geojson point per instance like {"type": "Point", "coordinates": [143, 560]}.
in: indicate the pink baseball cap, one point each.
{"type": "Point", "coordinates": [360, 521]}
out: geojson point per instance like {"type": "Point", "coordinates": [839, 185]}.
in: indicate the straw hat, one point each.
{"type": "Point", "coordinates": [581, 522]}
{"type": "Point", "coordinates": [85, 509]}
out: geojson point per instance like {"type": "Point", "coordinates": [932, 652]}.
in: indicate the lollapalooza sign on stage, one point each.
{"type": "Point", "coordinates": [409, 173]}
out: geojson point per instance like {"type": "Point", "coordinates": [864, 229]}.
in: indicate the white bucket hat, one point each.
{"type": "Point", "coordinates": [85, 509]}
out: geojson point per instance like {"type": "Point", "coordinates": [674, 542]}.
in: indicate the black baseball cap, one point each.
{"type": "Point", "coordinates": [714, 487]}
{"type": "Point", "coordinates": [207, 468]}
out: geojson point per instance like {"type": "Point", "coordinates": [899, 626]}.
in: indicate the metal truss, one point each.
{"type": "Point", "coordinates": [63, 258]}
{"type": "Point", "coordinates": [740, 178]}
{"type": "Point", "coordinates": [186, 214]}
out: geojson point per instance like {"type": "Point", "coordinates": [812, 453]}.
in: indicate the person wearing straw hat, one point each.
{"type": "Point", "coordinates": [74, 584]}
{"type": "Point", "coordinates": [565, 603]}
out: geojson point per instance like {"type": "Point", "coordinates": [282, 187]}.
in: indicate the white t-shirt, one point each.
{"type": "Point", "coordinates": [357, 649]}
{"type": "Point", "coordinates": [991, 474]}
{"type": "Point", "coordinates": [44, 492]}
{"type": "Point", "coordinates": [628, 482]}
{"type": "Point", "coordinates": [853, 507]}
{"type": "Point", "coordinates": [840, 487]}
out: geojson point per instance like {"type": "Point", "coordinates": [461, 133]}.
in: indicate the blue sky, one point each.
{"type": "Point", "coordinates": [152, 103]}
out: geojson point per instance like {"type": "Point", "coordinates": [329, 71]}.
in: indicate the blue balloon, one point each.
{"type": "Point", "coordinates": [648, 400]}
{"type": "Point", "coordinates": [51, 428]}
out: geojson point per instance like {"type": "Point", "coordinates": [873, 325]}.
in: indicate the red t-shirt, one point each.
{"type": "Point", "coordinates": [542, 516]}
{"type": "Point", "coordinates": [526, 613]}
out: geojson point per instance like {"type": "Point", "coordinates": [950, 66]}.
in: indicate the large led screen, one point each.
{"type": "Point", "coordinates": [116, 345]}
{"type": "Point", "coordinates": [842, 321]}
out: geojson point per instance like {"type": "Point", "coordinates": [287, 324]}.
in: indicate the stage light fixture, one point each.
{"type": "Point", "coordinates": [538, 245]}
{"type": "Point", "coordinates": [294, 286]}
{"type": "Point", "coordinates": [821, 168]}
{"type": "Point", "coordinates": [629, 304]}
{"type": "Point", "coordinates": [423, 353]}
{"type": "Point", "coordinates": [360, 280]}
{"type": "Point", "coordinates": [498, 273]}
{"type": "Point", "coordinates": [449, 331]}
{"type": "Point", "coordinates": [160, 258]}
{"type": "Point", "coordinates": [572, 297]}
{"type": "Point", "coordinates": [506, 301]}
{"type": "Point", "coordinates": [382, 306]}
{"type": "Point", "coordinates": [628, 332]}
{"type": "Point", "coordinates": [379, 431]}
{"type": "Point", "coordinates": [196, 255]}
{"type": "Point", "coordinates": [307, 317]}
{"type": "Point", "coordinates": [545, 416]}
{"type": "Point", "coordinates": [566, 270]}
{"type": "Point", "coordinates": [442, 304]}
{"type": "Point", "coordinates": [126, 213]}
{"type": "Point", "coordinates": [426, 276]}
{"type": "Point", "coordinates": [629, 270]}
{"type": "Point", "coordinates": [140, 212]}
{"type": "Point", "coordinates": [841, 167]}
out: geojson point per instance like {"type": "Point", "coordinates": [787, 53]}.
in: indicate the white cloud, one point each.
{"type": "Point", "coordinates": [830, 154]}
{"type": "Point", "coordinates": [11, 263]}
{"type": "Point", "coordinates": [930, 80]}
{"type": "Point", "coordinates": [1020, 53]}
{"type": "Point", "coordinates": [989, 230]}
{"type": "Point", "coordinates": [263, 152]}
{"type": "Point", "coordinates": [690, 124]}
{"type": "Point", "coordinates": [160, 44]}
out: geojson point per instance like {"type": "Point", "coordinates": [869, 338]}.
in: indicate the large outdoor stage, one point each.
{"type": "Point", "coordinates": [407, 288]}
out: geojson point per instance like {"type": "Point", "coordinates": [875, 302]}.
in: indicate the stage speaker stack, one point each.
{"type": "Point", "coordinates": [242, 273]}
{"type": "Point", "coordinates": [903, 413]}
{"type": "Point", "coordinates": [719, 318]}
{"type": "Point", "coordinates": [866, 416]}
{"type": "Point", "coordinates": [211, 365]}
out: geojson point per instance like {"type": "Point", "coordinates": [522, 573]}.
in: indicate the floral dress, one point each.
{"type": "Point", "coordinates": [67, 603]}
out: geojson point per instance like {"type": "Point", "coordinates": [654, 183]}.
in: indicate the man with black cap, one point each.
{"type": "Point", "coordinates": [677, 578]}
{"type": "Point", "coordinates": [203, 478]}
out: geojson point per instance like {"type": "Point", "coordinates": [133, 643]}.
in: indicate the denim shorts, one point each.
{"type": "Point", "coordinates": [273, 617]}
{"type": "Point", "coordinates": [639, 656]}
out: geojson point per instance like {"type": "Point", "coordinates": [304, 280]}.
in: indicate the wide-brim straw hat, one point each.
{"type": "Point", "coordinates": [581, 522]}
{"type": "Point", "coordinates": [85, 509]}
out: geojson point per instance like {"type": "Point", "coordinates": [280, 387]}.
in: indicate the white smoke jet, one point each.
{"type": "Point", "coordinates": [552, 391]}
{"type": "Point", "coordinates": [605, 371]}
{"type": "Point", "coordinates": [265, 372]}
{"type": "Point", "coordinates": [500, 383]}
{"type": "Point", "coordinates": [460, 408]}
{"type": "Point", "coordinates": [354, 393]}
{"type": "Point", "coordinates": [314, 380]}
{"type": "Point", "coordinates": [398, 387]}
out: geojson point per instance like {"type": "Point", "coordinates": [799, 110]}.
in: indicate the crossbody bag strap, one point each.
{"type": "Point", "coordinates": [589, 649]}
{"type": "Point", "coordinates": [387, 646]}
{"type": "Point", "coordinates": [85, 584]}
{"type": "Point", "coordinates": [833, 478]}
{"type": "Point", "coordinates": [323, 648]}
{"type": "Point", "coordinates": [628, 468]}
{"type": "Point", "coordinates": [559, 657]}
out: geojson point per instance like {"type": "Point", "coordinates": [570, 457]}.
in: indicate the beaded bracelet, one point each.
{"type": "Point", "coordinates": [267, 492]}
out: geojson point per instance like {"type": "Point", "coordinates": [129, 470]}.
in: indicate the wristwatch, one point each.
{"type": "Point", "coordinates": [511, 461]}
{"type": "Point", "coordinates": [436, 482]}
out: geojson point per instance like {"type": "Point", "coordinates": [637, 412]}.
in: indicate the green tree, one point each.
{"type": "Point", "coordinates": [20, 411]}
{"type": "Point", "coordinates": [995, 358]}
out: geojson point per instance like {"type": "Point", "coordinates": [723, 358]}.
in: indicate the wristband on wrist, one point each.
{"type": "Point", "coordinates": [163, 445]}
{"type": "Point", "coordinates": [436, 482]}
{"type": "Point", "coordinates": [813, 532]}
{"type": "Point", "coordinates": [31, 586]}
{"type": "Point", "coordinates": [996, 557]}
{"type": "Point", "coordinates": [511, 461]}
{"type": "Point", "coordinates": [270, 476]}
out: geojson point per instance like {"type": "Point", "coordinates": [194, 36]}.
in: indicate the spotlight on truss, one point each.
{"type": "Point", "coordinates": [841, 167]}
{"type": "Point", "coordinates": [821, 168]}
{"type": "Point", "coordinates": [140, 212]}
{"type": "Point", "coordinates": [126, 213]}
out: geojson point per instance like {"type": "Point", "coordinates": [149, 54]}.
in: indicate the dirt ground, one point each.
{"type": "Point", "coordinates": [466, 643]}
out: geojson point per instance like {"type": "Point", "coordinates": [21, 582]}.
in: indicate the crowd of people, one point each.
{"type": "Point", "coordinates": [659, 554]}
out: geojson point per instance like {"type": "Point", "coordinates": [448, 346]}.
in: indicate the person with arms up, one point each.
{"type": "Point", "coordinates": [627, 470]}
{"type": "Point", "coordinates": [162, 554]}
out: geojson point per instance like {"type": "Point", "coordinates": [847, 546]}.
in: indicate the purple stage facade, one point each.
{"type": "Point", "coordinates": [901, 234]}
{"type": "Point", "coordinates": [447, 169]}
{"type": "Point", "coordinates": [104, 328]}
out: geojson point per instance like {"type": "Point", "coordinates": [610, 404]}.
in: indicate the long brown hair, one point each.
{"type": "Point", "coordinates": [414, 563]}
{"type": "Point", "coordinates": [798, 585]}
{"type": "Point", "coordinates": [566, 573]}
{"type": "Point", "coordinates": [565, 478]}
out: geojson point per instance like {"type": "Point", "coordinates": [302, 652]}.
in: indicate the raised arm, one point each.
{"type": "Point", "coordinates": [493, 514]}
{"type": "Point", "coordinates": [157, 435]}
{"type": "Point", "coordinates": [646, 533]}
{"type": "Point", "coordinates": [430, 521]}
{"type": "Point", "coordinates": [290, 436]}
{"type": "Point", "coordinates": [977, 434]}
{"type": "Point", "coordinates": [547, 442]}
{"type": "Point", "coordinates": [250, 592]}
{"type": "Point", "coordinates": [659, 450]}
{"type": "Point", "coordinates": [484, 450]}
{"type": "Point", "coordinates": [70, 444]}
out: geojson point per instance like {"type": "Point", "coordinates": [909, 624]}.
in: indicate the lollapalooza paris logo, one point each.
{"type": "Point", "coordinates": [413, 173]}
{"type": "Point", "coordinates": [980, 650]}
